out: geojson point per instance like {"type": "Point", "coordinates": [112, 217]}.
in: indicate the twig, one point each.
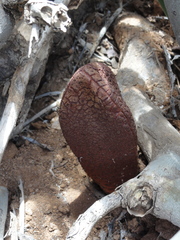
{"type": "Point", "coordinates": [21, 208]}
{"type": "Point", "coordinates": [80, 58]}
{"type": "Point", "coordinates": [46, 110]}
{"type": "Point", "coordinates": [13, 227]}
{"type": "Point", "coordinates": [103, 31]}
{"type": "Point", "coordinates": [44, 146]}
{"type": "Point", "coordinates": [83, 225]}
{"type": "Point", "coordinates": [51, 168]}
{"type": "Point", "coordinates": [48, 94]}
{"type": "Point", "coordinates": [55, 104]}
{"type": "Point", "coordinates": [172, 78]}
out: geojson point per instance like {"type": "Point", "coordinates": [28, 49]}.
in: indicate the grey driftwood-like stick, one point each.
{"type": "Point", "coordinates": [23, 72]}
{"type": "Point", "coordinates": [83, 225]}
{"type": "Point", "coordinates": [158, 139]}
{"type": "Point", "coordinates": [16, 97]}
{"type": "Point", "coordinates": [46, 110]}
{"type": "Point", "coordinates": [105, 28]}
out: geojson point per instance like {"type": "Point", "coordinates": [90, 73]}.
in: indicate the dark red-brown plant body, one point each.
{"type": "Point", "coordinates": [98, 126]}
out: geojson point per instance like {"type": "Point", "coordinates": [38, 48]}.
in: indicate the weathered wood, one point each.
{"type": "Point", "coordinates": [28, 64]}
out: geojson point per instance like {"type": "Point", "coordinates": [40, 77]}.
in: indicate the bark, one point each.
{"type": "Point", "coordinates": [141, 69]}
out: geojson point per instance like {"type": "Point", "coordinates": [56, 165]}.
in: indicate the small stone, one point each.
{"type": "Point", "coordinates": [63, 185]}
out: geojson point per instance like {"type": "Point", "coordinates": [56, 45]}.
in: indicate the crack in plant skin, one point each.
{"type": "Point", "coordinates": [98, 126]}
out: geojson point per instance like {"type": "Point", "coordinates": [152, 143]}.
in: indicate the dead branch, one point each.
{"type": "Point", "coordinates": [21, 208]}
{"type": "Point", "coordinates": [158, 139]}
{"type": "Point", "coordinates": [139, 64]}
{"type": "Point", "coordinates": [23, 72]}
{"type": "Point", "coordinates": [140, 68]}
{"type": "Point", "coordinates": [83, 225]}
{"type": "Point", "coordinates": [104, 29]}
{"type": "Point", "coordinates": [46, 110]}
{"type": "Point", "coordinates": [172, 79]}
{"type": "Point", "coordinates": [16, 95]}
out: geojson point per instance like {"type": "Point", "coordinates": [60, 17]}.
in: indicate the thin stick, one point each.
{"type": "Point", "coordinates": [48, 94]}
{"type": "Point", "coordinates": [13, 227]}
{"type": "Point", "coordinates": [31, 140]}
{"type": "Point", "coordinates": [105, 28]}
{"type": "Point", "coordinates": [85, 222]}
{"type": "Point", "coordinates": [172, 78]}
{"type": "Point", "coordinates": [55, 104]}
{"type": "Point", "coordinates": [21, 208]}
{"type": "Point", "coordinates": [51, 168]}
